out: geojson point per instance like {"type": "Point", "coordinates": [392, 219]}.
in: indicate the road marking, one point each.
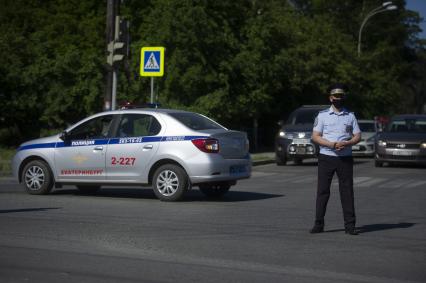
{"type": "Point", "coordinates": [358, 180]}
{"type": "Point", "coordinates": [372, 182]}
{"type": "Point", "coordinates": [308, 179]}
{"type": "Point", "coordinates": [416, 184]}
{"type": "Point", "coordinates": [393, 184]}
{"type": "Point", "coordinates": [262, 174]}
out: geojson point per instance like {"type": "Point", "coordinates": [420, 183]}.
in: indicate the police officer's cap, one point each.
{"type": "Point", "coordinates": [337, 89]}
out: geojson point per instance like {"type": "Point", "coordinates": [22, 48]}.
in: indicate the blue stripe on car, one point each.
{"type": "Point", "coordinates": [110, 141]}
{"type": "Point", "coordinates": [38, 145]}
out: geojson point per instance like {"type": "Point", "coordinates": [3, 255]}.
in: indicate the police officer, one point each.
{"type": "Point", "coordinates": [335, 130]}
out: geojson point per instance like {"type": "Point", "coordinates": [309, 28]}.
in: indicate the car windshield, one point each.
{"type": "Point", "coordinates": [408, 125]}
{"type": "Point", "coordinates": [195, 121]}
{"type": "Point", "coordinates": [366, 126]}
{"type": "Point", "coordinates": [306, 116]}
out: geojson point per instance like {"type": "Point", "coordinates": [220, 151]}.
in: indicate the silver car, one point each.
{"type": "Point", "coordinates": [171, 150]}
{"type": "Point", "coordinates": [366, 146]}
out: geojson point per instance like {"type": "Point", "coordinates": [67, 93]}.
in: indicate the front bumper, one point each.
{"type": "Point", "coordinates": [363, 149]}
{"type": "Point", "coordinates": [296, 148]}
{"type": "Point", "coordinates": [400, 155]}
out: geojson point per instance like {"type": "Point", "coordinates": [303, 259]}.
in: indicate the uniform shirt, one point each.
{"type": "Point", "coordinates": [336, 127]}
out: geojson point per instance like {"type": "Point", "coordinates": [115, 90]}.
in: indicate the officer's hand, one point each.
{"type": "Point", "coordinates": [340, 145]}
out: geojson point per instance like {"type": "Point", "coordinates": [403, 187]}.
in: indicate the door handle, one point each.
{"type": "Point", "coordinates": [98, 148]}
{"type": "Point", "coordinates": [147, 147]}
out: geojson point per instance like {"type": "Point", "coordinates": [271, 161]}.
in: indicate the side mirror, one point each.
{"type": "Point", "coordinates": [64, 136]}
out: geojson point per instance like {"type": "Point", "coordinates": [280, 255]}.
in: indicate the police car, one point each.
{"type": "Point", "coordinates": [171, 150]}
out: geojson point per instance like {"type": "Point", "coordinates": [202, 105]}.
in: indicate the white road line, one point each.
{"type": "Point", "coordinates": [372, 182]}
{"type": "Point", "coordinates": [262, 174]}
{"type": "Point", "coordinates": [308, 179]}
{"type": "Point", "coordinates": [416, 184]}
{"type": "Point", "coordinates": [358, 180]}
{"type": "Point", "coordinates": [393, 184]}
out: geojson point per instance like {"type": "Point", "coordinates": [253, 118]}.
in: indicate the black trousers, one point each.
{"type": "Point", "coordinates": [343, 166]}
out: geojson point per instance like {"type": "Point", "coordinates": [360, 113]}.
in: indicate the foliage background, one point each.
{"type": "Point", "coordinates": [241, 62]}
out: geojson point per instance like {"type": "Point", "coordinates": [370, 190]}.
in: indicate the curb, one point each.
{"type": "Point", "coordinates": [262, 162]}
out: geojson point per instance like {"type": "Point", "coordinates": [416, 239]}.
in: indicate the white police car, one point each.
{"type": "Point", "coordinates": [171, 150]}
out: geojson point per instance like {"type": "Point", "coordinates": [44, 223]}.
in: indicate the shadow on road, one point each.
{"type": "Point", "coordinates": [378, 227]}
{"type": "Point", "coordinates": [314, 162]}
{"type": "Point", "coordinates": [405, 166]}
{"type": "Point", "coordinates": [193, 195]}
{"type": "Point", "coordinates": [231, 196]}
{"type": "Point", "coordinates": [27, 209]}
{"type": "Point", "coordinates": [111, 192]}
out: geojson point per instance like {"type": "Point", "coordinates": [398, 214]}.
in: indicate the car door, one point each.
{"type": "Point", "coordinates": [134, 145]}
{"type": "Point", "coordinates": [81, 156]}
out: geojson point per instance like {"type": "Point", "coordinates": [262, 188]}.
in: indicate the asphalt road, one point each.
{"type": "Point", "coordinates": [257, 233]}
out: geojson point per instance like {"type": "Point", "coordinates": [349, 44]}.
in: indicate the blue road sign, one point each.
{"type": "Point", "coordinates": [152, 62]}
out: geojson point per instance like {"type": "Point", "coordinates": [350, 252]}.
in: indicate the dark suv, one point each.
{"type": "Point", "coordinates": [293, 141]}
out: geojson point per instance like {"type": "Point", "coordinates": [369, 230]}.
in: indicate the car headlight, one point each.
{"type": "Point", "coordinates": [381, 143]}
{"type": "Point", "coordinates": [423, 145]}
{"type": "Point", "coordinates": [283, 134]}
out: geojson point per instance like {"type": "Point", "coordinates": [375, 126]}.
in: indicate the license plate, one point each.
{"type": "Point", "coordinates": [301, 150]}
{"type": "Point", "coordinates": [237, 169]}
{"type": "Point", "coordinates": [301, 141]}
{"type": "Point", "coordinates": [400, 152]}
{"type": "Point", "coordinates": [355, 147]}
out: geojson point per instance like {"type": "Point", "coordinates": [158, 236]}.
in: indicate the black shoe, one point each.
{"type": "Point", "coordinates": [317, 229]}
{"type": "Point", "coordinates": [351, 231]}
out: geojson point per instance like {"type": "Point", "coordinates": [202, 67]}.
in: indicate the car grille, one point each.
{"type": "Point", "coordinates": [406, 145]}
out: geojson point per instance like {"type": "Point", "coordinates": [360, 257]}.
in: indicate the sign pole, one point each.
{"type": "Point", "coordinates": [152, 65]}
{"type": "Point", "coordinates": [114, 89]}
{"type": "Point", "coordinates": [152, 90]}
{"type": "Point", "coordinates": [112, 11]}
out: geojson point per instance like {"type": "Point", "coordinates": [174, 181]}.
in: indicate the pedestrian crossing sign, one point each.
{"type": "Point", "coordinates": [152, 62]}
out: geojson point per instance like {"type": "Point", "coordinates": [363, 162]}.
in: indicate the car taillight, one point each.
{"type": "Point", "coordinates": [207, 145]}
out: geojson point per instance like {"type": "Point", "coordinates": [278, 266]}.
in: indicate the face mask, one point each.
{"type": "Point", "coordinates": [338, 103]}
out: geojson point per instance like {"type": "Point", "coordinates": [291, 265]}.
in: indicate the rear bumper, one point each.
{"type": "Point", "coordinates": [218, 169]}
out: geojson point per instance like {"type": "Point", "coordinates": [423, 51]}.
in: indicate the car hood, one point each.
{"type": "Point", "coordinates": [400, 136]}
{"type": "Point", "coordinates": [367, 135]}
{"type": "Point", "coordinates": [298, 128]}
{"type": "Point", "coordinates": [50, 139]}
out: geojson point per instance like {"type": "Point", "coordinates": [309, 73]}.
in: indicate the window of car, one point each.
{"type": "Point", "coordinates": [408, 125]}
{"type": "Point", "coordinates": [137, 125]}
{"type": "Point", "coordinates": [367, 126]}
{"type": "Point", "coordinates": [195, 121]}
{"type": "Point", "coordinates": [305, 116]}
{"type": "Point", "coordinates": [96, 128]}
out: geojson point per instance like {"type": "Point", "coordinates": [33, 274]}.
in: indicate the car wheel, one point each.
{"type": "Point", "coordinates": [378, 163]}
{"type": "Point", "coordinates": [281, 161]}
{"type": "Point", "coordinates": [170, 182]}
{"type": "Point", "coordinates": [37, 178]}
{"type": "Point", "coordinates": [216, 190]}
{"type": "Point", "coordinates": [88, 189]}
